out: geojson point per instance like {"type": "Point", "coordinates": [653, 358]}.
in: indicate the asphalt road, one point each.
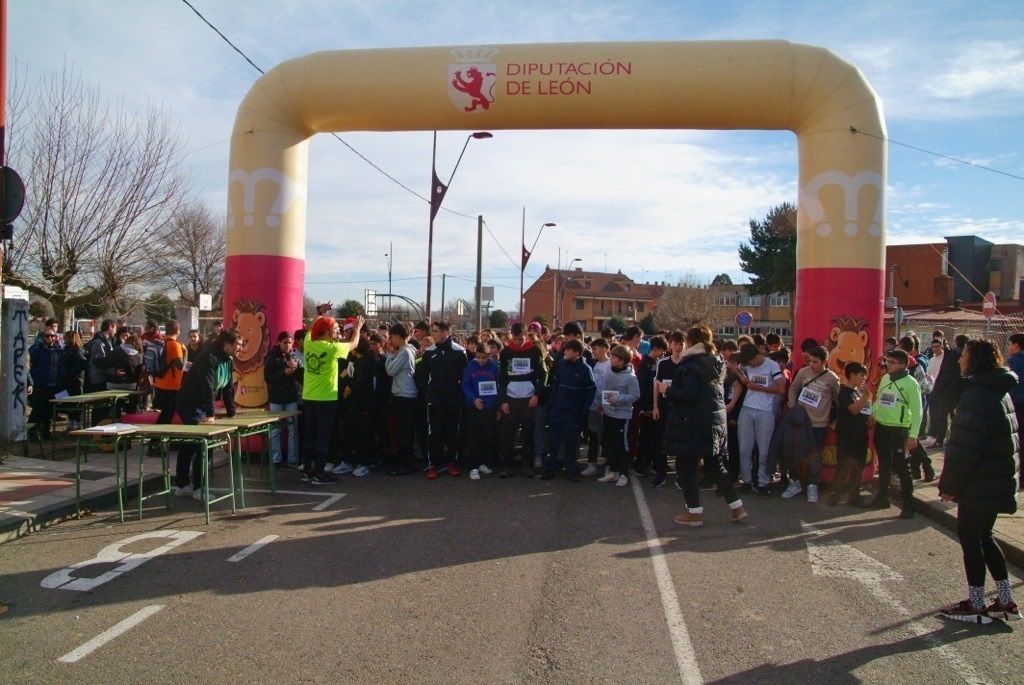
{"type": "Point", "coordinates": [522, 581]}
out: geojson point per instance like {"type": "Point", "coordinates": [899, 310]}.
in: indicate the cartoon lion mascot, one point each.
{"type": "Point", "coordinates": [249, 320]}
{"type": "Point", "coordinates": [848, 342]}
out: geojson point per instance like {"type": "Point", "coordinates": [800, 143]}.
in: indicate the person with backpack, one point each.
{"type": "Point", "coordinates": [165, 362]}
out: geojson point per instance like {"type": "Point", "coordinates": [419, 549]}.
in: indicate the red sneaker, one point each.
{"type": "Point", "coordinates": [1007, 612]}
{"type": "Point", "coordinates": [688, 519]}
{"type": "Point", "coordinates": [965, 611]}
{"type": "Point", "coordinates": [453, 470]}
{"type": "Point", "coordinates": [431, 473]}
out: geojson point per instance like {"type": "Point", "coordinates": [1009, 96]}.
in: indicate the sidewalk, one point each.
{"type": "Point", "coordinates": [1009, 529]}
{"type": "Point", "coordinates": [38, 492]}
{"type": "Point", "coordinates": [35, 493]}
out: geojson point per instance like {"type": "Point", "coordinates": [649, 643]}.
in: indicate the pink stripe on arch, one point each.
{"type": "Point", "coordinates": [276, 282]}
{"type": "Point", "coordinates": [823, 293]}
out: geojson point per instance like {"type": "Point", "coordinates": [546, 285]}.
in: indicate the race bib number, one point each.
{"type": "Point", "coordinates": [667, 382]}
{"type": "Point", "coordinates": [888, 399]}
{"type": "Point", "coordinates": [521, 366]}
{"type": "Point", "coordinates": [812, 398]}
{"type": "Point", "coordinates": [760, 379]}
{"type": "Point", "coordinates": [487, 388]}
{"type": "Point", "coordinates": [188, 366]}
{"type": "Point", "coordinates": [609, 397]}
{"type": "Point", "coordinates": [866, 410]}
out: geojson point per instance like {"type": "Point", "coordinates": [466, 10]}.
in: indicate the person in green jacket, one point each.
{"type": "Point", "coordinates": [897, 414]}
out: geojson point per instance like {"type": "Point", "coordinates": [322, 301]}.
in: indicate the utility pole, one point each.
{"type": "Point", "coordinates": [479, 274]}
{"type": "Point", "coordinates": [444, 279]}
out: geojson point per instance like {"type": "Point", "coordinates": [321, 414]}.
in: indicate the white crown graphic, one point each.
{"type": "Point", "coordinates": [470, 55]}
{"type": "Point", "coordinates": [851, 185]}
{"type": "Point", "coordinates": [287, 192]}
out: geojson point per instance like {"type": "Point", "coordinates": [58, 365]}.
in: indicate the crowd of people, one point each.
{"type": "Point", "coordinates": [729, 414]}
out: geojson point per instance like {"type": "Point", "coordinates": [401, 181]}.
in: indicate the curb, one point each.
{"type": "Point", "coordinates": [64, 511]}
{"type": "Point", "coordinates": [103, 499]}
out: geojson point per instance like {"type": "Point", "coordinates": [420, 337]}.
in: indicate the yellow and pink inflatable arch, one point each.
{"type": "Point", "coordinates": [697, 85]}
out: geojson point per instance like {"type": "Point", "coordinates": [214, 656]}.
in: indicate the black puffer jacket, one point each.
{"type": "Point", "coordinates": [983, 449]}
{"type": "Point", "coordinates": [695, 423]}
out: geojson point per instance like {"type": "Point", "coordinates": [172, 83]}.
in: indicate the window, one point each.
{"type": "Point", "coordinates": [640, 306]}
{"type": "Point", "coordinates": [780, 330]}
{"type": "Point", "coordinates": [780, 300]}
{"type": "Point", "coordinates": [749, 300]}
{"type": "Point", "coordinates": [727, 330]}
{"type": "Point", "coordinates": [579, 305]}
{"type": "Point", "coordinates": [586, 285]}
{"type": "Point", "coordinates": [726, 301]}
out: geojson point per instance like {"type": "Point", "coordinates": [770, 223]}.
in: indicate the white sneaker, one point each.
{"type": "Point", "coordinates": [183, 492]}
{"type": "Point", "coordinates": [608, 477]}
{"type": "Point", "coordinates": [361, 471]}
{"type": "Point", "coordinates": [792, 490]}
{"type": "Point", "coordinates": [623, 481]}
{"type": "Point", "coordinates": [812, 493]}
{"type": "Point", "coordinates": [474, 474]}
{"type": "Point", "coordinates": [342, 468]}
{"type": "Point", "coordinates": [928, 442]}
{"type": "Point", "coordinates": [591, 470]}
{"type": "Point", "coordinates": [485, 469]}
{"type": "Point", "coordinates": [198, 495]}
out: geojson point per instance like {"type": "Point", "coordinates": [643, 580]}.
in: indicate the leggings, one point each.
{"type": "Point", "coordinates": [974, 528]}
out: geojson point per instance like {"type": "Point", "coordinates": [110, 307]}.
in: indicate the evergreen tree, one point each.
{"type": "Point", "coordinates": [770, 257]}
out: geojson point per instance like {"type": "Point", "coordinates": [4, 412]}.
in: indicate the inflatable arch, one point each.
{"type": "Point", "coordinates": [672, 85]}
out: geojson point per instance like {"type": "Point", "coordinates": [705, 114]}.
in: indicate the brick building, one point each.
{"type": "Point", "coordinates": [771, 314]}
{"type": "Point", "coordinates": [590, 298]}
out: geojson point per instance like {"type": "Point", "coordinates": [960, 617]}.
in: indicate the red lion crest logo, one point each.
{"type": "Point", "coordinates": [473, 86]}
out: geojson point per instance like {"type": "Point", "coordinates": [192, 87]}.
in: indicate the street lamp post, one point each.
{"type": "Point", "coordinates": [437, 193]}
{"type": "Point", "coordinates": [525, 258]}
{"type": "Point", "coordinates": [391, 256]}
{"type": "Point", "coordinates": [556, 303]}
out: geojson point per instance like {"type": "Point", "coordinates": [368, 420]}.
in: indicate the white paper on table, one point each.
{"type": "Point", "coordinates": [112, 428]}
{"type": "Point", "coordinates": [61, 395]}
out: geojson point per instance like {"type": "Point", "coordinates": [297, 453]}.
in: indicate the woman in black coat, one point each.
{"type": "Point", "coordinates": [695, 424]}
{"type": "Point", "coordinates": [72, 371]}
{"type": "Point", "coordinates": [980, 475]}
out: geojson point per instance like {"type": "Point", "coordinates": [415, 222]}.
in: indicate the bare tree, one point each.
{"type": "Point", "coordinates": [685, 305]}
{"type": "Point", "coordinates": [101, 189]}
{"type": "Point", "coordinates": [195, 248]}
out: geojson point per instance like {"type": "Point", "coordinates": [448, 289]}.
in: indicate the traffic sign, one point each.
{"type": "Point", "coordinates": [744, 319]}
{"type": "Point", "coordinates": [13, 195]}
{"type": "Point", "coordinates": [988, 305]}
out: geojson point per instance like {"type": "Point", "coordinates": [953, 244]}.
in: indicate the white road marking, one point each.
{"type": "Point", "coordinates": [254, 547]}
{"type": "Point", "coordinates": [111, 554]}
{"type": "Point", "coordinates": [280, 492]}
{"type": "Point", "coordinates": [110, 633]}
{"type": "Point", "coordinates": [327, 502]}
{"type": "Point", "coordinates": [686, 657]}
{"type": "Point", "coordinates": [838, 560]}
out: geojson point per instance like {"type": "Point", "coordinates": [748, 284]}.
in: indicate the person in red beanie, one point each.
{"type": "Point", "coordinates": [320, 391]}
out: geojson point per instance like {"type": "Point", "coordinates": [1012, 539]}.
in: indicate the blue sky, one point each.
{"type": "Point", "coordinates": [659, 205]}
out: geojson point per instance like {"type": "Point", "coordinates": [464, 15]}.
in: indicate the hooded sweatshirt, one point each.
{"type": "Point", "coordinates": [624, 382]}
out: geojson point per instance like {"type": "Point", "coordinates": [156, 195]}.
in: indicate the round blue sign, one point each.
{"type": "Point", "coordinates": [744, 319]}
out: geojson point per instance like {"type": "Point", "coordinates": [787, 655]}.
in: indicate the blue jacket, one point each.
{"type": "Point", "coordinates": [45, 365]}
{"type": "Point", "coordinates": [572, 386]}
{"type": "Point", "coordinates": [476, 374]}
{"type": "Point", "coordinates": [1016, 364]}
